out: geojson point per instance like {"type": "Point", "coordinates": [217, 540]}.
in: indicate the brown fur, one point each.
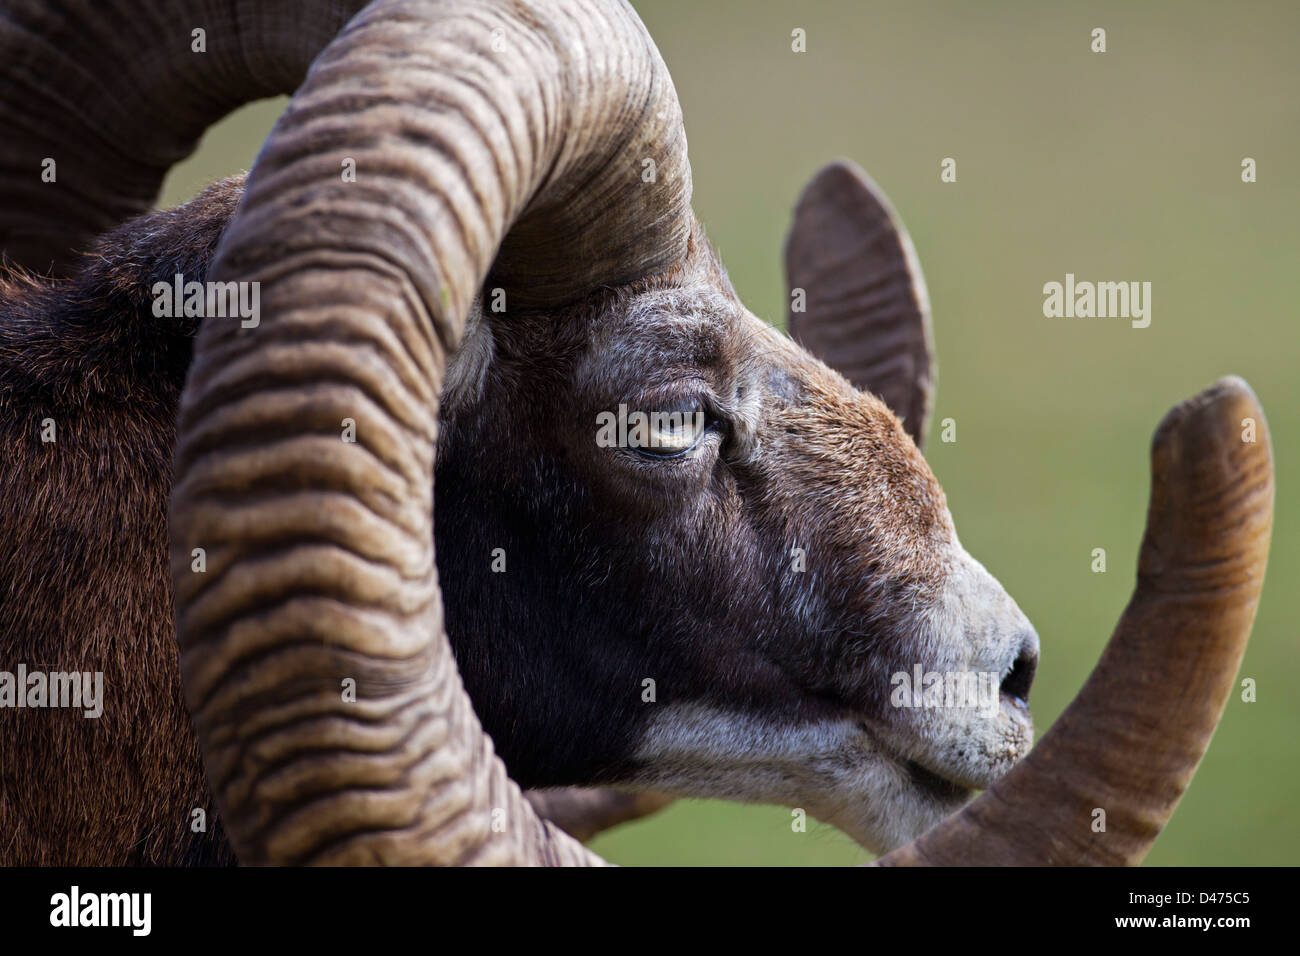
{"type": "Point", "coordinates": [621, 567]}
{"type": "Point", "coordinates": [84, 580]}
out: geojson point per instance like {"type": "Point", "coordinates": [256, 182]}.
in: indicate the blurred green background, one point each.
{"type": "Point", "coordinates": [1117, 166]}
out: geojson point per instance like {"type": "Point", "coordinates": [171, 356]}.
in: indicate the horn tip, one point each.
{"type": "Point", "coordinates": [1215, 412]}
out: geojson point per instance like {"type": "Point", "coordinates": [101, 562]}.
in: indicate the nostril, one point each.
{"type": "Point", "coordinates": [1021, 677]}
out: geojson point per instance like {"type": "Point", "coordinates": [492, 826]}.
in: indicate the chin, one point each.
{"type": "Point", "coordinates": [887, 800]}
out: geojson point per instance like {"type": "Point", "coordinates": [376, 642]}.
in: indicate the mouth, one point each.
{"type": "Point", "coordinates": [979, 754]}
{"type": "Point", "coordinates": [936, 786]}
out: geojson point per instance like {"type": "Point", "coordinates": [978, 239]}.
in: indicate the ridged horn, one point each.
{"type": "Point", "coordinates": [480, 131]}
{"type": "Point", "coordinates": [114, 95]}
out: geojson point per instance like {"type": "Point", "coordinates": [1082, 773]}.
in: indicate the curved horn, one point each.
{"type": "Point", "coordinates": [468, 122]}
{"type": "Point", "coordinates": [866, 311]}
{"type": "Point", "coordinates": [1133, 737]}
{"type": "Point", "coordinates": [582, 813]}
{"type": "Point", "coordinates": [113, 102]}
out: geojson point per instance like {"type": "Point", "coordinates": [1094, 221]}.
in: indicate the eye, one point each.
{"type": "Point", "coordinates": [667, 432]}
{"type": "Point", "coordinates": [661, 430]}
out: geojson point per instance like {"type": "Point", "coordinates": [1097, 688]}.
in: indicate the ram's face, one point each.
{"type": "Point", "coordinates": [723, 571]}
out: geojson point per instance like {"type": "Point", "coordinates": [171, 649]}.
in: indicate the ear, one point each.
{"type": "Point", "coordinates": [866, 312]}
